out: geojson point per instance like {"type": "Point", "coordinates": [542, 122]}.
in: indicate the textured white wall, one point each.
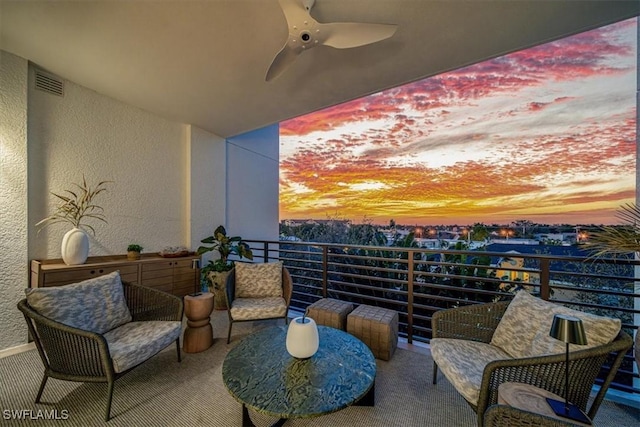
{"type": "Point", "coordinates": [169, 179]}
{"type": "Point", "coordinates": [13, 197]}
{"type": "Point", "coordinates": [145, 156]}
{"type": "Point", "coordinates": [208, 188]}
{"type": "Point", "coordinates": [253, 184]}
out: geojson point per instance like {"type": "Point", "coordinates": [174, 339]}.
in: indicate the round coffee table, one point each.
{"type": "Point", "coordinates": [260, 374]}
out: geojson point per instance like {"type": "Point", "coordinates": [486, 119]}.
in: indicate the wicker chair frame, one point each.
{"type": "Point", "coordinates": [479, 321]}
{"type": "Point", "coordinates": [73, 354]}
{"type": "Point", "coordinates": [230, 287]}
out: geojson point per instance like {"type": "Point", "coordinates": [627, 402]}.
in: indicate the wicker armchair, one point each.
{"type": "Point", "coordinates": [259, 308]}
{"type": "Point", "coordinates": [478, 323]}
{"type": "Point", "coordinates": [73, 354]}
{"type": "Point", "coordinates": [507, 416]}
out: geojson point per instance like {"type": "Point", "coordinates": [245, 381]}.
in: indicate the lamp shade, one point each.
{"type": "Point", "coordinates": [568, 329]}
{"type": "Point", "coordinates": [302, 338]}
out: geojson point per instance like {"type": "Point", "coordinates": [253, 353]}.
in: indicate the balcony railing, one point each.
{"type": "Point", "coordinates": [417, 282]}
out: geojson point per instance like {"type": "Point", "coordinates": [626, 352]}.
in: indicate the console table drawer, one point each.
{"type": "Point", "coordinates": [128, 273]}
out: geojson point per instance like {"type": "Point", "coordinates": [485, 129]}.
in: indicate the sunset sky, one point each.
{"type": "Point", "coordinates": [545, 134]}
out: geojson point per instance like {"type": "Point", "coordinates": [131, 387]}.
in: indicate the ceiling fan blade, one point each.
{"type": "Point", "coordinates": [343, 35]}
{"type": "Point", "coordinates": [294, 12]}
{"type": "Point", "coordinates": [302, 36]}
{"type": "Point", "coordinates": [282, 60]}
{"type": "Point", "coordinates": [306, 33]}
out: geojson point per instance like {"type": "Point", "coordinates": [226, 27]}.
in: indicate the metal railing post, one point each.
{"type": "Point", "coordinates": [545, 289]}
{"type": "Point", "coordinates": [325, 271]}
{"type": "Point", "coordinates": [410, 298]}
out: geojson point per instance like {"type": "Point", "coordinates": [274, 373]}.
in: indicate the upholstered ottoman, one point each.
{"type": "Point", "coordinates": [330, 312]}
{"type": "Point", "coordinates": [377, 327]}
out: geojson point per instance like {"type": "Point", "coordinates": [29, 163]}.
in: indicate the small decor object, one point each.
{"type": "Point", "coordinates": [174, 252]}
{"type": "Point", "coordinates": [302, 338]}
{"type": "Point", "coordinates": [133, 251]}
{"type": "Point", "coordinates": [217, 271]}
{"type": "Point", "coordinates": [570, 330]}
{"type": "Point", "coordinates": [76, 206]}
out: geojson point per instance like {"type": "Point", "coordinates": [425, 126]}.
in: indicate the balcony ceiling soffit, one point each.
{"type": "Point", "coordinates": [204, 62]}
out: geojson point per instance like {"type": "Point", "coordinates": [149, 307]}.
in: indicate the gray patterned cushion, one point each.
{"type": "Point", "coordinates": [258, 308]}
{"type": "Point", "coordinates": [524, 328]}
{"type": "Point", "coordinates": [258, 280]}
{"type": "Point", "coordinates": [135, 342]}
{"type": "Point", "coordinates": [95, 305]}
{"type": "Point", "coordinates": [463, 362]}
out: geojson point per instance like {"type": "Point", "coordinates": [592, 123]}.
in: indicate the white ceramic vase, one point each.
{"type": "Point", "coordinates": [75, 247]}
{"type": "Point", "coordinates": [302, 338]}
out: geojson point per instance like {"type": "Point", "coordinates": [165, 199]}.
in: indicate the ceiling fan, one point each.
{"type": "Point", "coordinates": [306, 33]}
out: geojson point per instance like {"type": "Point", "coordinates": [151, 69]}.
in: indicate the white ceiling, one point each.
{"type": "Point", "coordinates": [204, 62]}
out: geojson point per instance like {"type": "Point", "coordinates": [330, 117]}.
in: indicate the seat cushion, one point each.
{"type": "Point", "coordinates": [463, 362]}
{"type": "Point", "coordinates": [97, 305]}
{"type": "Point", "coordinates": [524, 328]}
{"type": "Point", "coordinates": [135, 342]}
{"type": "Point", "coordinates": [258, 308]}
{"type": "Point", "coordinates": [258, 280]}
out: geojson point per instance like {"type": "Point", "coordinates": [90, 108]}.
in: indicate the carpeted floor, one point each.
{"type": "Point", "coordinates": [163, 392]}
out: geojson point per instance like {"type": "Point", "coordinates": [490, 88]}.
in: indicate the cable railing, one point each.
{"type": "Point", "coordinates": [417, 282]}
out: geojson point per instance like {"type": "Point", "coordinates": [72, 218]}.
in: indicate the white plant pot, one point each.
{"type": "Point", "coordinates": [302, 338]}
{"type": "Point", "coordinates": [75, 247]}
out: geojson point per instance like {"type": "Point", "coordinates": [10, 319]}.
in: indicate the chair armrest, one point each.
{"type": "Point", "coordinates": [72, 352]}
{"type": "Point", "coordinates": [230, 287]}
{"type": "Point", "coordinates": [548, 373]}
{"type": "Point", "coordinates": [287, 286]}
{"type": "Point", "coordinates": [475, 322]}
{"type": "Point", "coordinates": [151, 304]}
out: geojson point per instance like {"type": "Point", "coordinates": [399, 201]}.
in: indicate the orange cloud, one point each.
{"type": "Point", "coordinates": [493, 142]}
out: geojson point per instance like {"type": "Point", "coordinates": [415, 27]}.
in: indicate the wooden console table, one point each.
{"type": "Point", "coordinates": [173, 275]}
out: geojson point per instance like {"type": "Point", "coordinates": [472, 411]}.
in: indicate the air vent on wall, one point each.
{"type": "Point", "coordinates": [49, 83]}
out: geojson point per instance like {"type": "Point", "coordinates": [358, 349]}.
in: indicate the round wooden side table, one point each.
{"type": "Point", "coordinates": [198, 336]}
{"type": "Point", "coordinates": [532, 399]}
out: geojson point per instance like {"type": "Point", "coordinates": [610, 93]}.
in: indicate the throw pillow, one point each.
{"type": "Point", "coordinates": [259, 280]}
{"type": "Point", "coordinates": [97, 305]}
{"type": "Point", "coordinates": [524, 328]}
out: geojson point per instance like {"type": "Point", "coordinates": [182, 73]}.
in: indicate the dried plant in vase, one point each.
{"type": "Point", "coordinates": [76, 206]}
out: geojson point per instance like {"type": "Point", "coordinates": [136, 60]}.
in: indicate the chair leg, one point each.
{"type": "Point", "coordinates": [107, 414]}
{"type": "Point", "coordinates": [178, 348]}
{"type": "Point", "coordinates": [229, 333]}
{"type": "Point", "coordinates": [42, 384]}
{"type": "Point", "coordinates": [435, 372]}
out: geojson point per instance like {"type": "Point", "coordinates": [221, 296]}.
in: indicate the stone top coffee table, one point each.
{"type": "Point", "coordinates": [261, 375]}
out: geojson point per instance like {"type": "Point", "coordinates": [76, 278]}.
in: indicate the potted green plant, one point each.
{"type": "Point", "coordinates": [133, 251]}
{"type": "Point", "coordinates": [75, 207]}
{"type": "Point", "coordinates": [217, 271]}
